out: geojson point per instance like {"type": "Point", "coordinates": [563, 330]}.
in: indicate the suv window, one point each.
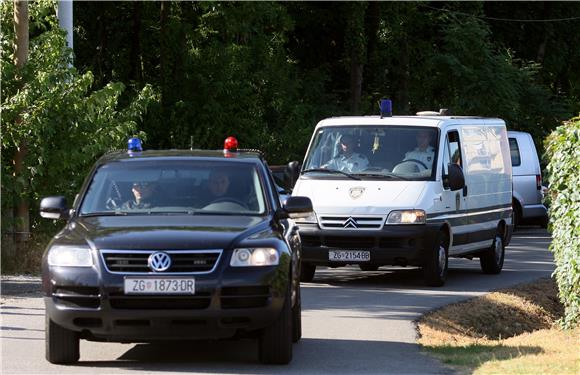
{"type": "Point", "coordinates": [147, 187]}
{"type": "Point", "coordinates": [515, 152]}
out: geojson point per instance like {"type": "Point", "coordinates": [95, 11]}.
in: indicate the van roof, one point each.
{"type": "Point", "coordinates": [434, 121]}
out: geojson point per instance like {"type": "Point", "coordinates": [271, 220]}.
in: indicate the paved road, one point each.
{"type": "Point", "coordinates": [353, 322]}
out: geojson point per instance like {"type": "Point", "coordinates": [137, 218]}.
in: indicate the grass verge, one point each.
{"type": "Point", "coordinates": [510, 331]}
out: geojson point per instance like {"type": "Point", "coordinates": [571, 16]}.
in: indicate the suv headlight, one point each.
{"type": "Point", "coordinates": [310, 219]}
{"type": "Point", "coordinates": [70, 256]}
{"type": "Point", "coordinates": [406, 217]}
{"type": "Point", "coordinates": [259, 256]}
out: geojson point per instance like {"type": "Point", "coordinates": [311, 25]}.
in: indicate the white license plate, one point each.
{"type": "Point", "coordinates": [159, 285]}
{"type": "Point", "coordinates": [349, 255]}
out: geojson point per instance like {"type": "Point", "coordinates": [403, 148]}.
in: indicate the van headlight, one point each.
{"type": "Point", "coordinates": [310, 219]}
{"type": "Point", "coordinates": [406, 217]}
{"type": "Point", "coordinates": [70, 256]}
{"type": "Point", "coordinates": [258, 256]}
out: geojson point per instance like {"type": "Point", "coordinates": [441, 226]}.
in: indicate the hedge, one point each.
{"type": "Point", "coordinates": [563, 152]}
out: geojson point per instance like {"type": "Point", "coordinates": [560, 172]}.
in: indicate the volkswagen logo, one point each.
{"type": "Point", "coordinates": [159, 262]}
{"type": "Point", "coordinates": [350, 223]}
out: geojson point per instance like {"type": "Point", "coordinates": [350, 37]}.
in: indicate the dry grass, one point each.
{"type": "Point", "coordinates": [510, 331]}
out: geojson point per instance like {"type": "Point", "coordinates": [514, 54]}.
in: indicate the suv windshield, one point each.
{"type": "Point", "coordinates": [169, 186]}
{"type": "Point", "coordinates": [390, 152]}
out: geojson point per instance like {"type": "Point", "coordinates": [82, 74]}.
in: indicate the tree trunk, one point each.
{"type": "Point", "coordinates": [21, 214]}
{"type": "Point", "coordinates": [136, 72]}
{"type": "Point", "coordinates": [163, 50]}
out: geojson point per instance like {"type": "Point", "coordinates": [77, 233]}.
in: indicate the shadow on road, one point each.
{"type": "Point", "coordinates": [237, 357]}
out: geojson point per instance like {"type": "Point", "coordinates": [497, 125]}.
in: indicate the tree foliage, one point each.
{"type": "Point", "coordinates": [563, 149]}
{"type": "Point", "coordinates": [65, 123]}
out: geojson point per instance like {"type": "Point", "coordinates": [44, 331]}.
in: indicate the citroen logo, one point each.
{"type": "Point", "coordinates": [350, 223]}
{"type": "Point", "coordinates": [159, 262]}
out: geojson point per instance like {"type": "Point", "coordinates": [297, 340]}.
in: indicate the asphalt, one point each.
{"type": "Point", "coordinates": [353, 322]}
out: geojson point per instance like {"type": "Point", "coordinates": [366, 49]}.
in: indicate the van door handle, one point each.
{"type": "Point", "coordinates": [465, 191]}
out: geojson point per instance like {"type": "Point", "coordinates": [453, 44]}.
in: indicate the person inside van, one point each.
{"type": "Point", "coordinates": [424, 152]}
{"type": "Point", "coordinates": [348, 160]}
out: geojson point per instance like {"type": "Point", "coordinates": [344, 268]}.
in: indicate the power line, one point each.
{"type": "Point", "coordinates": [503, 19]}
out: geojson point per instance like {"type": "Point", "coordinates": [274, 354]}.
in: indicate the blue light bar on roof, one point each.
{"type": "Point", "coordinates": [134, 145]}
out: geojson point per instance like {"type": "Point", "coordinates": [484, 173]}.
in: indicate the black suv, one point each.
{"type": "Point", "coordinates": [174, 245]}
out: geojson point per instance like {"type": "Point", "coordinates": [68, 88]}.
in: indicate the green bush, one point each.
{"type": "Point", "coordinates": [563, 150]}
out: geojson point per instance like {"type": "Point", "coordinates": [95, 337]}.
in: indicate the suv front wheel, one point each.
{"type": "Point", "coordinates": [276, 341]}
{"type": "Point", "coordinates": [62, 345]}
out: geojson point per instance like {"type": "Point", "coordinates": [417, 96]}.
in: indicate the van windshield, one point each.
{"type": "Point", "coordinates": [389, 152]}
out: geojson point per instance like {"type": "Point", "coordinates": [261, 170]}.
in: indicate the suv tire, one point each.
{"type": "Point", "coordinates": [297, 317]}
{"type": "Point", "coordinates": [62, 345]}
{"type": "Point", "coordinates": [275, 346]}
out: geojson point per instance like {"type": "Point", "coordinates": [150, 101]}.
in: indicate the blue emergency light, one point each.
{"type": "Point", "coordinates": [386, 108]}
{"type": "Point", "coordinates": [134, 145]}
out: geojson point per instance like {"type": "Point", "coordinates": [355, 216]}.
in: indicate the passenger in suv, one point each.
{"type": "Point", "coordinates": [527, 179]}
{"type": "Point", "coordinates": [178, 269]}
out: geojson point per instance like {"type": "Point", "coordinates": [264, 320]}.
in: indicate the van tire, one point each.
{"type": "Point", "coordinates": [62, 345]}
{"type": "Point", "coordinates": [368, 267]}
{"type": "Point", "coordinates": [275, 342]}
{"type": "Point", "coordinates": [516, 215]}
{"type": "Point", "coordinates": [491, 260]}
{"type": "Point", "coordinates": [307, 272]}
{"type": "Point", "coordinates": [437, 261]}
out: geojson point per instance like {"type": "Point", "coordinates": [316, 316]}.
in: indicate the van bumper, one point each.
{"type": "Point", "coordinates": [392, 245]}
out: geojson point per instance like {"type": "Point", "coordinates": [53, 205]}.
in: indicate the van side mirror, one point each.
{"type": "Point", "coordinates": [292, 173]}
{"type": "Point", "coordinates": [298, 207]}
{"type": "Point", "coordinates": [54, 208]}
{"type": "Point", "coordinates": [455, 177]}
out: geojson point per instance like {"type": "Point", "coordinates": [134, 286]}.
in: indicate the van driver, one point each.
{"type": "Point", "coordinates": [423, 152]}
{"type": "Point", "coordinates": [347, 160]}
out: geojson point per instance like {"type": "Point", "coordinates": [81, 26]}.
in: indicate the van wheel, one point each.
{"type": "Point", "coordinates": [297, 317]}
{"type": "Point", "coordinates": [62, 345]}
{"type": "Point", "coordinates": [491, 260]}
{"type": "Point", "coordinates": [307, 272]}
{"type": "Point", "coordinates": [516, 215]}
{"type": "Point", "coordinates": [437, 261]}
{"type": "Point", "coordinates": [368, 267]}
{"type": "Point", "coordinates": [275, 346]}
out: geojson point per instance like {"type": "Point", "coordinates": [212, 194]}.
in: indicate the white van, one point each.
{"type": "Point", "coordinates": [408, 190]}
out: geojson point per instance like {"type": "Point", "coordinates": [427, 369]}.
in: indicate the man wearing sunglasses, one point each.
{"type": "Point", "coordinates": [142, 195]}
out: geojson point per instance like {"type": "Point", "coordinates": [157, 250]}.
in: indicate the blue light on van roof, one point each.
{"type": "Point", "coordinates": [134, 145]}
{"type": "Point", "coordinates": [386, 108]}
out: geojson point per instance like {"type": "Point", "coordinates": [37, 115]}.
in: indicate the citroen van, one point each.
{"type": "Point", "coordinates": [404, 206]}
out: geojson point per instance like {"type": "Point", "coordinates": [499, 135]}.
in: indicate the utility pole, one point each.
{"type": "Point", "coordinates": [21, 213]}
{"type": "Point", "coordinates": [65, 19]}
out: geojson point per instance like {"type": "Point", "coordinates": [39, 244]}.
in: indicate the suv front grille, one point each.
{"type": "Point", "coordinates": [182, 261]}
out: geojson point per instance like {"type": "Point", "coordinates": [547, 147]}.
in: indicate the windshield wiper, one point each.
{"type": "Point", "coordinates": [382, 175]}
{"type": "Point", "coordinates": [104, 213]}
{"type": "Point", "coordinates": [331, 171]}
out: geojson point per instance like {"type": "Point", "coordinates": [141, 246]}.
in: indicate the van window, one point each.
{"type": "Point", "coordinates": [452, 151]}
{"type": "Point", "coordinates": [373, 152]}
{"type": "Point", "coordinates": [515, 152]}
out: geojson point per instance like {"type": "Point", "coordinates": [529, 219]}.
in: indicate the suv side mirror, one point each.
{"type": "Point", "coordinates": [455, 177]}
{"type": "Point", "coordinates": [54, 208]}
{"type": "Point", "coordinates": [298, 207]}
{"type": "Point", "coordinates": [292, 174]}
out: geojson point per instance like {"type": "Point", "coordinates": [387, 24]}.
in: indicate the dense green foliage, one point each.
{"type": "Point", "coordinates": [53, 109]}
{"type": "Point", "coordinates": [191, 73]}
{"type": "Point", "coordinates": [563, 149]}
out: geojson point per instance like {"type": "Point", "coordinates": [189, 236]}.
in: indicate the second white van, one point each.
{"type": "Point", "coordinates": [406, 190]}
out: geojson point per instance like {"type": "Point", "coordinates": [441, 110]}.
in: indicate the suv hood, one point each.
{"type": "Point", "coordinates": [360, 197]}
{"type": "Point", "coordinates": [162, 232]}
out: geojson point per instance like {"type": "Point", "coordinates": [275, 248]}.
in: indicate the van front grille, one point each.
{"type": "Point", "coordinates": [352, 222]}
